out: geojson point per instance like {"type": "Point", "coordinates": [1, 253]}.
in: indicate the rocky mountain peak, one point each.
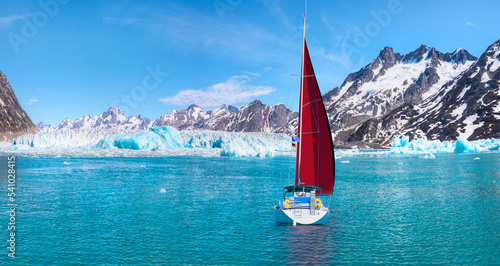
{"type": "Point", "coordinates": [228, 108]}
{"type": "Point", "coordinates": [193, 107]}
{"type": "Point", "coordinates": [417, 55]}
{"type": "Point", "coordinates": [232, 109]}
{"type": "Point", "coordinates": [113, 115]}
{"type": "Point", "coordinates": [459, 56]}
{"type": "Point", "coordinates": [113, 119]}
{"type": "Point", "coordinates": [14, 121]}
{"type": "Point", "coordinates": [493, 49]}
{"type": "Point", "coordinates": [387, 57]}
{"type": "Point", "coordinates": [253, 105]}
{"type": "Point", "coordinates": [115, 110]}
{"type": "Point", "coordinates": [253, 117]}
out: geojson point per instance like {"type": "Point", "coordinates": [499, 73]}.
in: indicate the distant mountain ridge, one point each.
{"type": "Point", "coordinates": [422, 94]}
{"type": "Point", "coordinates": [254, 117]}
{"type": "Point", "coordinates": [112, 119]}
{"type": "Point", "coordinates": [192, 115]}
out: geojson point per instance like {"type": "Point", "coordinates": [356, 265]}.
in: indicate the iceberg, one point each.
{"type": "Point", "coordinates": [462, 145]}
{"type": "Point", "coordinates": [421, 146]}
{"type": "Point", "coordinates": [429, 156]}
{"type": "Point", "coordinates": [239, 144]}
{"type": "Point", "coordinates": [400, 142]}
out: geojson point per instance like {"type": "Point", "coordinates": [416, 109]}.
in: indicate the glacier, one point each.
{"type": "Point", "coordinates": [420, 146]}
{"type": "Point", "coordinates": [239, 144]}
{"type": "Point", "coordinates": [155, 138]}
{"type": "Point", "coordinates": [154, 142]}
{"type": "Point", "coordinates": [167, 141]}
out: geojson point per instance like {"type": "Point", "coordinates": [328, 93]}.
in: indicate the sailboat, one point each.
{"type": "Point", "coordinates": [315, 161]}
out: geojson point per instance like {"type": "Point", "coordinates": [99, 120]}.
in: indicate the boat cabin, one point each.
{"type": "Point", "coordinates": [301, 196]}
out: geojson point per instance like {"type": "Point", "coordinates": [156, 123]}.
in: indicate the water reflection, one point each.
{"type": "Point", "coordinates": [311, 244]}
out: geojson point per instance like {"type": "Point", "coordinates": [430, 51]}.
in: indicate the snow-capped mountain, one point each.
{"type": "Point", "coordinates": [254, 117]}
{"type": "Point", "coordinates": [45, 127]}
{"type": "Point", "coordinates": [112, 119]}
{"type": "Point", "coordinates": [467, 107]}
{"type": "Point", "coordinates": [14, 121]}
{"type": "Point", "coordinates": [190, 116]}
{"type": "Point", "coordinates": [463, 102]}
{"type": "Point", "coordinates": [390, 81]}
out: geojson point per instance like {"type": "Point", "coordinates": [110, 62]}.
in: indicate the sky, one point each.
{"type": "Point", "coordinates": [67, 58]}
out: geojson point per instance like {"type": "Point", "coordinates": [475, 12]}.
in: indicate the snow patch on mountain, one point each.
{"type": "Point", "coordinates": [112, 119]}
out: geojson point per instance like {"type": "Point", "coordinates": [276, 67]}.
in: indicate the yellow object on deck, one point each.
{"type": "Point", "coordinates": [287, 204]}
{"type": "Point", "coordinates": [317, 203]}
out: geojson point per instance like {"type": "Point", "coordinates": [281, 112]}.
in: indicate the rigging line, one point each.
{"type": "Point", "coordinates": [288, 94]}
{"type": "Point", "coordinates": [299, 129]}
{"type": "Point", "coordinates": [288, 119]}
{"type": "Point", "coordinates": [311, 102]}
{"type": "Point", "coordinates": [294, 95]}
{"type": "Point", "coordinates": [312, 132]}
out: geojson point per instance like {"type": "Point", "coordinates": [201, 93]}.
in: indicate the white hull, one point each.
{"type": "Point", "coordinates": [300, 216]}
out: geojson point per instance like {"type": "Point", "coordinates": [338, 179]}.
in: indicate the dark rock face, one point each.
{"type": "Point", "coordinates": [14, 121]}
{"type": "Point", "coordinates": [182, 118]}
{"type": "Point", "coordinates": [362, 108]}
{"type": "Point", "coordinates": [232, 109]}
{"type": "Point", "coordinates": [467, 105]}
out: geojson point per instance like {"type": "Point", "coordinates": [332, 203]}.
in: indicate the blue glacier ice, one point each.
{"type": "Point", "coordinates": [400, 142]}
{"type": "Point", "coordinates": [421, 146]}
{"type": "Point", "coordinates": [156, 141]}
{"type": "Point", "coordinates": [155, 138]}
{"type": "Point", "coordinates": [167, 141]}
{"type": "Point", "coordinates": [239, 144]}
{"type": "Point", "coordinates": [462, 145]}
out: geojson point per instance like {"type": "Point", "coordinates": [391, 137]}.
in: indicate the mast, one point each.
{"type": "Point", "coordinates": [301, 95]}
{"type": "Point", "coordinates": [315, 163]}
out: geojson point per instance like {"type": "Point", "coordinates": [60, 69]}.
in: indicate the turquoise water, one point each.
{"type": "Point", "coordinates": [390, 210]}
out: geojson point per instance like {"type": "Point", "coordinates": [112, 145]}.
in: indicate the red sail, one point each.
{"type": "Point", "coordinates": [315, 148]}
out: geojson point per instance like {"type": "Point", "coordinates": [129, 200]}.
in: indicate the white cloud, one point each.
{"type": "Point", "coordinates": [207, 33]}
{"type": "Point", "coordinates": [31, 101]}
{"type": "Point", "coordinates": [9, 19]}
{"type": "Point", "coordinates": [123, 21]}
{"type": "Point", "coordinates": [276, 10]}
{"type": "Point", "coordinates": [470, 23]}
{"type": "Point", "coordinates": [232, 91]}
